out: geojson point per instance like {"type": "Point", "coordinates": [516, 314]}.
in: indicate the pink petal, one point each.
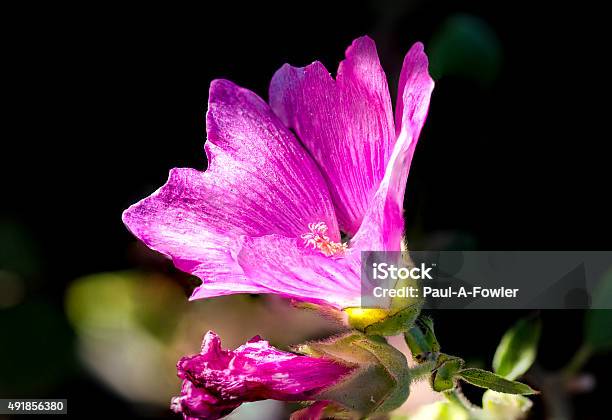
{"type": "Point", "coordinates": [346, 124]}
{"type": "Point", "coordinates": [260, 181]}
{"type": "Point", "coordinates": [216, 381]}
{"type": "Point", "coordinates": [383, 225]}
{"type": "Point", "coordinates": [196, 403]}
{"type": "Point", "coordinates": [414, 93]}
{"type": "Point", "coordinates": [283, 266]}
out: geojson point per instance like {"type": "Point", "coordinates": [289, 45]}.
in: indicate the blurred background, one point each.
{"type": "Point", "coordinates": [104, 100]}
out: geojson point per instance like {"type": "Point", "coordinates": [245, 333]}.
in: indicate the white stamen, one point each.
{"type": "Point", "coordinates": [317, 239]}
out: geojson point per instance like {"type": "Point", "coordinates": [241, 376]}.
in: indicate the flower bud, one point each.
{"type": "Point", "coordinates": [379, 384]}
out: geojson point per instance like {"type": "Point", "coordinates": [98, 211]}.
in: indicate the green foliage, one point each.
{"type": "Point", "coordinates": [517, 350]}
{"type": "Point", "coordinates": [598, 326]}
{"type": "Point", "coordinates": [504, 396]}
{"type": "Point", "coordinates": [489, 380]}
{"type": "Point", "coordinates": [117, 301]}
{"type": "Point", "coordinates": [466, 46]}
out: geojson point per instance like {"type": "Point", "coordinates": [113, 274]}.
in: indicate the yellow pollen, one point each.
{"type": "Point", "coordinates": [317, 239]}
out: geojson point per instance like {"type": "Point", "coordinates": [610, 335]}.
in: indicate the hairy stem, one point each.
{"type": "Point", "coordinates": [419, 371]}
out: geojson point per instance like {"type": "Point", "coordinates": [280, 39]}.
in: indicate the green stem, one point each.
{"type": "Point", "coordinates": [576, 364]}
{"type": "Point", "coordinates": [418, 371]}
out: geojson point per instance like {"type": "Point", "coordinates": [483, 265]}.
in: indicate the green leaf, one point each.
{"type": "Point", "coordinates": [485, 379]}
{"type": "Point", "coordinates": [517, 349]}
{"type": "Point", "coordinates": [598, 321]}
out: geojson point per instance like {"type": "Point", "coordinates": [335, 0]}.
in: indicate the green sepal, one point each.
{"type": "Point", "coordinates": [422, 341]}
{"type": "Point", "coordinates": [330, 411]}
{"type": "Point", "coordinates": [340, 348]}
{"type": "Point", "coordinates": [379, 384]}
{"type": "Point", "coordinates": [360, 318]}
{"type": "Point", "coordinates": [517, 349]}
{"type": "Point", "coordinates": [395, 323]}
{"type": "Point", "coordinates": [443, 378]}
{"type": "Point", "coordinates": [395, 319]}
{"type": "Point", "coordinates": [395, 365]}
{"type": "Point", "coordinates": [489, 380]}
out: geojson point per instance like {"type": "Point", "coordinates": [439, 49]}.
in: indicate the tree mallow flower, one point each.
{"type": "Point", "coordinates": [268, 214]}
{"type": "Point", "coordinates": [216, 381]}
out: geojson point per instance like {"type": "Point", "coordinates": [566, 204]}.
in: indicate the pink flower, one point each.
{"type": "Point", "coordinates": [217, 381]}
{"type": "Point", "coordinates": [267, 214]}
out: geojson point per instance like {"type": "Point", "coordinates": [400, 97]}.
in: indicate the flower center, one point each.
{"type": "Point", "coordinates": [317, 239]}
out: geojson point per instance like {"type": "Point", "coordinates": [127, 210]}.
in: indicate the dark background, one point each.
{"type": "Point", "coordinates": [104, 100]}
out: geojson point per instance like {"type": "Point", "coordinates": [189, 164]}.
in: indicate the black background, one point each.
{"type": "Point", "coordinates": [104, 100]}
